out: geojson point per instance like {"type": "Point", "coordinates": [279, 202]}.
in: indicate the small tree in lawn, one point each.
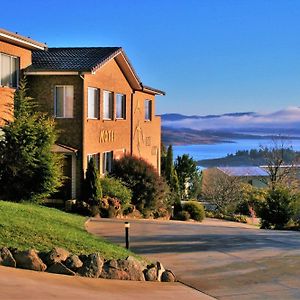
{"type": "Point", "coordinates": [92, 187]}
{"type": "Point", "coordinates": [28, 168]}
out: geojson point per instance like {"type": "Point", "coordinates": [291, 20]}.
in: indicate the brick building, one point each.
{"type": "Point", "coordinates": [100, 105]}
{"type": "Point", "coordinates": [15, 56]}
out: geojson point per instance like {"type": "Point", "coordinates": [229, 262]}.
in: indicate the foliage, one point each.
{"type": "Point", "coordinates": [25, 226]}
{"type": "Point", "coordinates": [251, 200]}
{"type": "Point", "coordinates": [188, 176]}
{"type": "Point", "coordinates": [223, 191]}
{"type": "Point", "coordinates": [232, 217]}
{"type": "Point", "coordinates": [92, 191]}
{"type": "Point", "coordinates": [195, 209]}
{"type": "Point", "coordinates": [296, 210]}
{"type": "Point", "coordinates": [115, 188]}
{"type": "Point", "coordinates": [28, 168]}
{"type": "Point", "coordinates": [149, 190]}
{"type": "Point", "coordinates": [182, 216]}
{"type": "Point", "coordinates": [277, 210]}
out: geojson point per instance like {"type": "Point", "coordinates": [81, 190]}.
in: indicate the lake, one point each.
{"type": "Point", "coordinates": [203, 151]}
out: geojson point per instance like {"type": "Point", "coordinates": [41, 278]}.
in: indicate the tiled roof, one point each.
{"type": "Point", "coordinates": [72, 59]}
{"type": "Point", "coordinates": [243, 171]}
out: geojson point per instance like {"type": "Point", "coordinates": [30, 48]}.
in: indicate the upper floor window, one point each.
{"type": "Point", "coordinates": [64, 100]}
{"type": "Point", "coordinates": [93, 103]}
{"type": "Point", "coordinates": [148, 110]}
{"type": "Point", "coordinates": [108, 101]}
{"type": "Point", "coordinates": [120, 106]}
{"type": "Point", "coordinates": [9, 70]}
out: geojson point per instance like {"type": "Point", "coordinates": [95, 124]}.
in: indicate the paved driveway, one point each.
{"type": "Point", "coordinates": [223, 259]}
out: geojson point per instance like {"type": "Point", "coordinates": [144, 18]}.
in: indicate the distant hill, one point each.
{"type": "Point", "coordinates": [179, 129]}
{"type": "Point", "coordinates": [252, 157]}
{"type": "Point", "coordinates": [187, 136]}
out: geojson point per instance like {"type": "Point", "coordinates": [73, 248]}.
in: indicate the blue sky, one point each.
{"type": "Point", "coordinates": [210, 56]}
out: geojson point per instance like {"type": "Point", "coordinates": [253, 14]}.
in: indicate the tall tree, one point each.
{"type": "Point", "coordinates": [28, 168]}
{"type": "Point", "coordinates": [188, 175]}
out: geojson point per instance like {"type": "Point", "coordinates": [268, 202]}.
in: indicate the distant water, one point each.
{"type": "Point", "coordinates": [199, 152]}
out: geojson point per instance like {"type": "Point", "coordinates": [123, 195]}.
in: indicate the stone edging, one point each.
{"type": "Point", "coordinates": [61, 261]}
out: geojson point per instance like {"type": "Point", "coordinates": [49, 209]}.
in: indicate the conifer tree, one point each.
{"type": "Point", "coordinates": [28, 168]}
{"type": "Point", "coordinates": [92, 185]}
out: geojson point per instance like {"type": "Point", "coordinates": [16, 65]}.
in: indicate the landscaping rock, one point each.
{"type": "Point", "coordinates": [29, 260]}
{"type": "Point", "coordinates": [59, 268]}
{"type": "Point", "coordinates": [160, 270]}
{"type": "Point", "coordinates": [92, 266]}
{"type": "Point", "coordinates": [151, 274]}
{"type": "Point", "coordinates": [56, 255]}
{"type": "Point", "coordinates": [168, 276]}
{"type": "Point", "coordinates": [6, 258]}
{"type": "Point", "coordinates": [73, 262]}
{"type": "Point", "coordinates": [123, 269]}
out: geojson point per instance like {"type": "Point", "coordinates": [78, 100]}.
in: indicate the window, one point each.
{"type": "Point", "coordinates": [9, 70]}
{"type": "Point", "coordinates": [107, 159]}
{"type": "Point", "coordinates": [121, 106]}
{"type": "Point", "coordinates": [93, 103]}
{"type": "Point", "coordinates": [148, 110]}
{"type": "Point", "coordinates": [64, 98]}
{"type": "Point", "coordinates": [108, 105]}
{"type": "Point", "coordinates": [96, 157]}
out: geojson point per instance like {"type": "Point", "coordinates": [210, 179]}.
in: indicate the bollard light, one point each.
{"type": "Point", "coordinates": [127, 226]}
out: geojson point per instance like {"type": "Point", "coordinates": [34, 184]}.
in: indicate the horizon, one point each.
{"type": "Point", "coordinates": [211, 55]}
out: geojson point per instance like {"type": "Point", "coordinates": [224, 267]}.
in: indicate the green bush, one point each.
{"type": "Point", "coordinates": [195, 209]}
{"type": "Point", "coordinates": [182, 216]}
{"type": "Point", "coordinates": [149, 190]}
{"type": "Point", "coordinates": [233, 217]}
{"type": "Point", "coordinates": [277, 210]}
{"type": "Point", "coordinates": [115, 188]}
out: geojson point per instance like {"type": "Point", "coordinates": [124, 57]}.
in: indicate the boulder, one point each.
{"type": "Point", "coordinates": [56, 255]}
{"type": "Point", "coordinates": [29, 260]}
{"type": "Point", "coordinates": [123, 269]}
{"type": "Point", "coordinates": [150, 274]}
{"type": "Point", "coordinates": [92, 266]}
{"type": "Point", "coordinates": [160, 269]}
{"type": "Point", "coordinates": [59, 268]}
{"type": "Point", "coordinates": [167, 276]}
{"type": "Point", "coordinates": [6, 258]}
{"type": "Point", "coordinates": [73, 262]}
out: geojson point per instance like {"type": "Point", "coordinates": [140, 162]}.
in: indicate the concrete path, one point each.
{"type": "Point", "coordinates": [226, 260]}
{"type": "Point", "coordinates": [17, 284]}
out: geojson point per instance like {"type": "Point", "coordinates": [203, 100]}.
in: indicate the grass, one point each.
{"type": "Point", "coordinates": [25, 226]}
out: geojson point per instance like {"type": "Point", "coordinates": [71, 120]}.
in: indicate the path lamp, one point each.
{"type": "Point", "coordinates": [127, 226]}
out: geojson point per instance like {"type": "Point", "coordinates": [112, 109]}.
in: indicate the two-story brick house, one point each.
{"type": "Point", "coordinates": [100, 105]}
{"type": "Point", "coordinates": [15, 56]}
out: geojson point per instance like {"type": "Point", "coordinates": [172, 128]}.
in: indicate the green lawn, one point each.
{"type": "Point", "coordinates": [25, 226]}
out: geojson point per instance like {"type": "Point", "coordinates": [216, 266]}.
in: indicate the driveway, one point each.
{"type": "Point", "coordinates": [225, 260]}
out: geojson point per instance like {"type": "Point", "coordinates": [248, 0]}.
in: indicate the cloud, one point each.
{"type": "Point", "coordinates": [287, 118]}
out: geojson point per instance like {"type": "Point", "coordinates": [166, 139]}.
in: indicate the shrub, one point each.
{"type": "Point", "coordinates": [28, 168]}
{"type": "Point", "coordinates": [232, 217]}
{"type": "Point", "coordinates": [114, 188]}
{"type": "Point", "coordinates": [182, 216]}
{"type": "Point", "coordinates": [149, 191]}
{"type": "Point", "coordinates": [195, 209]}
{"type": "Point", "coordinates": [276, 211]}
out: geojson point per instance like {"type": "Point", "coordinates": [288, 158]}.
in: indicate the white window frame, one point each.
{"type": "Point", "coordinates": [97, 108]}
{"type": "Point", "coordinates": [97, 160]}
{"type": "Point", "coordinates": [123, 107]}
{"type": "Point", "coordinates": [149, 107]}
{"type": "Point", "coordinates": [112, 105]}
{"type": "Point", "coordinates": [103, 162]}
{"type": "Point", "coordinates": [64, 105]}
{"type": "Point", "coordinates": [18, 70]}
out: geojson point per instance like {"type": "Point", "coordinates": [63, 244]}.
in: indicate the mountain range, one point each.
{"type": "Point", "coordinates": [205, 129]}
